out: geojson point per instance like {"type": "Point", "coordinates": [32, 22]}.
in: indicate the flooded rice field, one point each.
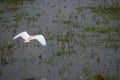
{"type": "Point", "coordinates": [83, 40]}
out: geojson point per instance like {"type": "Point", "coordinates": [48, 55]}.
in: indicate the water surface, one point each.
{"type": "Point", "coordinates": [83, 40]}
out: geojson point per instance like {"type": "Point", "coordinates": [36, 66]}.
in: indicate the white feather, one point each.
{"type": "Point", "coordinates": [41, 39]}
{"type": "Point", "coordinates": [24, 35]}
{"type": "Point", "coordinates": [27, 37]}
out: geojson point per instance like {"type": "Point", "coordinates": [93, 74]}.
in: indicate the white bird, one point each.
{"type": "Point", "coordinates": [28, 38]}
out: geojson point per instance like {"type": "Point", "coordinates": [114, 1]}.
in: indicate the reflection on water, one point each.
{"type": "Point", "coordinates": [82, 36]}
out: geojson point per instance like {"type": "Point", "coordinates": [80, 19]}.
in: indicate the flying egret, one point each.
{"type": "Point", "coordinates": [28, 38]}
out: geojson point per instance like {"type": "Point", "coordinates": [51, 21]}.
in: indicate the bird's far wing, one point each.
{"type": "Point", "coordinates": [41, 39]}
{"type": "Point", "coordinates": [24, 35]}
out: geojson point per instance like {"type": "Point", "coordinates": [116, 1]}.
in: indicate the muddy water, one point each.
{"type": "Point", "coordinates": [83, 40]}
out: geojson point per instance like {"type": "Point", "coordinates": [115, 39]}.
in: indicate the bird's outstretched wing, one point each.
{"type": "Point", "coordinates": [24, 35]}
{"type": "Point", "coordinates": [41, 39]}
